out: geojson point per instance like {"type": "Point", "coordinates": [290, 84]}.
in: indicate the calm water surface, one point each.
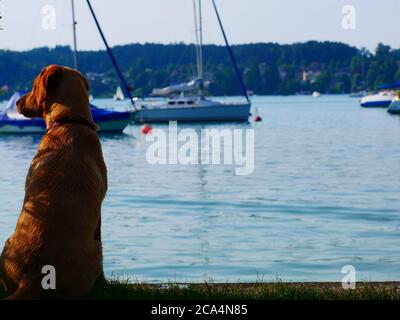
{"type": "Point", "coordinates": [325, 193]}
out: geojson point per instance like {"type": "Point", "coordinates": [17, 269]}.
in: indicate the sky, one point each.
{"type": "Point", "coordinates": [29, 24]}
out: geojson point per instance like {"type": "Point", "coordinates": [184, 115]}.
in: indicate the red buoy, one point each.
{"type": "Point", "coordinates": [257, 117]}
{"type": "Point", "coordinates": [146, 129]}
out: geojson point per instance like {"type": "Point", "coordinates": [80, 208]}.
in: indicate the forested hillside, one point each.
{"type": "Point", "coordinates": [267, 68]}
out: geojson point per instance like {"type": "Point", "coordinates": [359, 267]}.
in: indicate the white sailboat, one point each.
{"type": "Point", "coordinates": [119, 94]}
{"type": "Point", "coordinates": [186, 102]}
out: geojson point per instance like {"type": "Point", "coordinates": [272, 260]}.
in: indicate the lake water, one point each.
{"type": "Point", "coordinates": [325, 193]}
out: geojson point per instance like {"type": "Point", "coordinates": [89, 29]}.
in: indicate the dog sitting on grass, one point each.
{"type": "Point", "coordinates": [59, 227]}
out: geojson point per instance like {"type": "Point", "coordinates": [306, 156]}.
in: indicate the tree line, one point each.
{"type": "Point", "coordinates": [267, 68]}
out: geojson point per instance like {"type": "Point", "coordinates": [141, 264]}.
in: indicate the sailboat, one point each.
{"type": "Point", "coordinates": [107, 120]}
{"type": "Point", "coordinates": [119, 94]}
{"type": "Point", "coordinates": [186, 102]}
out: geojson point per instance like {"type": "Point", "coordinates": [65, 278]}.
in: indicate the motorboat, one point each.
{"type": "Point", "coordinates": [381, 99]}
{"type": "Point", "coordinates": [316, 94]}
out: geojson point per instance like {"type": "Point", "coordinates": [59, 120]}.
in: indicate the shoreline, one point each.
{"type": "Point", "coordinates": [123, 290]}
{"type": "Point", "coordinates": [389, 290]}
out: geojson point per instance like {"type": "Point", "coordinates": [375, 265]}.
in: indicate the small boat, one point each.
{"type": "Point", "coordinates": [13, 122]}
{"type": "Point", "coordinates": [359, 94]}
{"type": "Point", "coordinates": [316, 94]}
{"type": "Point", "coordinates": [394, 107]}
{"type": "Point", "coordinates": [379, 100]}
{"type": "Point", "coordinates": [119, 94]}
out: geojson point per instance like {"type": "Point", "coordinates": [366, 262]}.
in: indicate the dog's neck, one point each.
{"type": "Point", "coordinates": [58, 123]}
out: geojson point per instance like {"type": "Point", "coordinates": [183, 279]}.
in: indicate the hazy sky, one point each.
{"type": "Point", "coordinates": [166, 21]}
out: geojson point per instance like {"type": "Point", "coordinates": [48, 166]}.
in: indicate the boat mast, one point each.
{"type": "Point", "coordinates": [196, 31]}
{"type": "Point", "coordinates": [74, 23]}
{"type": "Point", "coordinates": [201, 73]}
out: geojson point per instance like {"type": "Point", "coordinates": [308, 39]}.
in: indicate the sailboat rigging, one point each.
{"type": "Point", "coordinates": [125, 86]}
{"type": "Point", "coordinates": [198, 21]}
{"type": "Point", "coordinates": [228, 47]}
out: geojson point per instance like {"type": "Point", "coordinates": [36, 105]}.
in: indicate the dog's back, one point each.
{"type": "Point", "coordinates": [60, 222]}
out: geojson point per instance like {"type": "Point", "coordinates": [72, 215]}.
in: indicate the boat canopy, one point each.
{"type": "Point", "coordinates": [177, 89]}
{"type": "Point", "coordinates": [395, 85]}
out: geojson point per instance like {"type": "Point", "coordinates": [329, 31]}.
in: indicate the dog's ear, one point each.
{"type": "Point", "coordinates": [86, 82]}
{"type": "Point", "coordinates": [50, 78]}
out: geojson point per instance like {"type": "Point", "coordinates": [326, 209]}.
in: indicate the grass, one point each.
{"type": "Point", "coordinates": [122, 289]}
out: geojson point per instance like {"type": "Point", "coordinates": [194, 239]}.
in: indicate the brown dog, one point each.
{"type": "Point", "coordinates": [60, 222]}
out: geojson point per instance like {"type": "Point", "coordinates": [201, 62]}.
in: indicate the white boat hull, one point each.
{"type": "Point", "coordinates": [17, 129]}
{"type": "Point", "coordinates": [380, 100]}
{"type": "Point", "coordinates": [210, 113]}
{"type": "Point", "coordinates": [104, 127]}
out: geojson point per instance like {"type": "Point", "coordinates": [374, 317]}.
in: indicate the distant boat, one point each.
{"type": "Point", "coordinates": [379, 100]}
{"type": "Point", "coordinates": [119, 94]}
{"type": "Point", "coordinates": [394, 107]}
{"type": "Point", "coordinates": [13, 122]}
{"type": "Point", "coordinates": [186, 102]}
{"type": "Point", "coordinates": [316, 94]}
{"type": "Point", "coordinates": [359, 94]}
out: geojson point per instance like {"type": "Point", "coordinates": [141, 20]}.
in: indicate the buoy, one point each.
{"type": "Point", "coordinates": [257, 117]}
{"type": "Point", "coordinates": [146, 129]}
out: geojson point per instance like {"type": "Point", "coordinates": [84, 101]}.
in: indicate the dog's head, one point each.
{"type": "Point", "coordinates": [58, 94]}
